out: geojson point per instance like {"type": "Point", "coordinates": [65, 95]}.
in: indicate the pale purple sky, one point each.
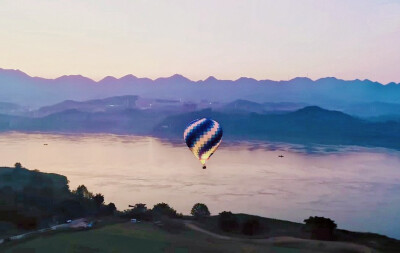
{"type": "Point", "coordinates": [276, 40]}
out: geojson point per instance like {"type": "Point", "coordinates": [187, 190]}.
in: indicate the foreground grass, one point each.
{"type": "Point", "coordinates": [145, 237]}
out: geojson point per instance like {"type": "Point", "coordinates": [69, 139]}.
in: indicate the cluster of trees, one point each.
{"type": "Point", "coordinates": [84, 203]}
{"type": "Point", "coordinates": [141, 212]}
{"type": "Point", "coordinates": [31, 199]}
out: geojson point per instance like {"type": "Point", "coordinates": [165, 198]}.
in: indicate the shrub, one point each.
{"type": "Point", "coordinates": [321, 228]}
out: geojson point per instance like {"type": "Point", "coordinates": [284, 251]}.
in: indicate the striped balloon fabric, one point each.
{"type": "Point", "coordinates": [203, 137]}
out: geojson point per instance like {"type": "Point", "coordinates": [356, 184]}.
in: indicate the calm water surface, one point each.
{"type": "Point", "coordinates": [357, 187]}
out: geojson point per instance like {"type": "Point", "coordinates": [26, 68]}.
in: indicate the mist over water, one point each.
{"type": "Point", "coordinates": [357, 187]}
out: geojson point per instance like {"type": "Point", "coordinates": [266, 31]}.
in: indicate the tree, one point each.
{"type": "Point", "coordinates": [227, 221]}
{"type": "Point", "coordinates": [139, 207]}
{"type": "Point", "coordinates": [163, 209]}
{"type": "Point", "coordinates": [251, 227]}
{"type": "Point", "coordinates": [110, 209]}
{"type": "Point", "coordinates": [18, 165]}
{"type": "Point", "coordinates": [321, 228]}
{"type": "Point", "coordinates": [139, 211]}
{"type": "Point", "coordinates": [98, 200]}
{"type": "Point", "coordinates": [200, 210]}
{"type": "Point", "coordinates": [82, 192]}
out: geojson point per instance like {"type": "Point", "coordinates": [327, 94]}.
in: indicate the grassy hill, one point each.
{"type": "Point", "coordinates": [145, 237]}
{"type": "Point", "coordinates": [17, 179]}
{"type": "Point", "coordinates": [269, 227]}
{"type": "Point", "coordinates": [273, 228]}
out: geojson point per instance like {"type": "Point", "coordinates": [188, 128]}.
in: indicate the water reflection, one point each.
{"type": "Point", "coordinates": [357, 187]}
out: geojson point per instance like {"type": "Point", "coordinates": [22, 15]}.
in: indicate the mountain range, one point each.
{"type": "Point", "coordinates": [324, 111]}
{"type": "Point", "coordinates": [24, 90]}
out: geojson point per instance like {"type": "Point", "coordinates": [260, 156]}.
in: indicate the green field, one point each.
{"type": "Point", "coordinates": [145, 237]}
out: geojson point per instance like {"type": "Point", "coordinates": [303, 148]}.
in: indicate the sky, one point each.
{"type": "Point", "coordinates": [277, 40]}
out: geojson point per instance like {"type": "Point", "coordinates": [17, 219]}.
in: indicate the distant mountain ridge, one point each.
{"type": "Point", "coordinates": [20, 88]}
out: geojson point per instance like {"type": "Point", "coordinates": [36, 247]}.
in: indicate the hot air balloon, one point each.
{"type": "Point", "coordinates": [203, 137]}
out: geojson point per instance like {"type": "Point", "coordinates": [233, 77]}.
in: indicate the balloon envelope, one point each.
{"type": "Point", "coordinates": [203, 137]}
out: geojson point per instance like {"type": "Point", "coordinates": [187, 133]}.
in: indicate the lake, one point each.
{"type": "Point", "coordinates": [357, 187]}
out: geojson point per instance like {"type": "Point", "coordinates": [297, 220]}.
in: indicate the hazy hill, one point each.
{"type": "Point", "coordinates": [311, 124]}
{"type": "Point", "coordinates": [18, 87]}
{"type": "Point", "coordinates": [12, 109]}
{"type": "Point", "coordinates": [374, 109]}
{"type": "Point", "coordinates": [10, 122]}
{"type": "Point", "coordinates": [128, 121]}
{"type": "Point", "coordinates": [119, 103]}
{"type": "Point", "coordinates": [8, 106]}
{"type": "Point", "coordinates": [308, 125]}
{"type": "Point", "coordinates": [97, 105]}
{"type": "Point", "coordinates": [246, 106]}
